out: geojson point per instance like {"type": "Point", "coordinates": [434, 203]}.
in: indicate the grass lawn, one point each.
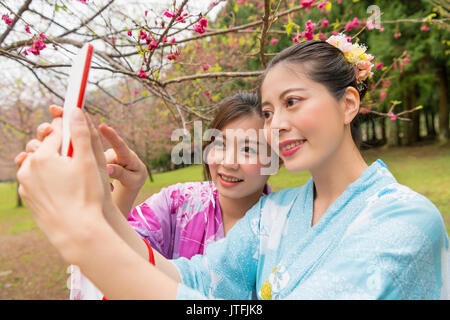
{"type": "Point", "coordinates": [31, 269]}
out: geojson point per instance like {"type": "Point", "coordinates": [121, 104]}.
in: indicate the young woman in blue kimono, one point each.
{"type": "Point", "coordinates": [352, 232]}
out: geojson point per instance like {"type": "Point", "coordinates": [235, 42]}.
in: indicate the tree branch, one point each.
{"type": "Point", "coordinates": [16, 18]}
{"type": "Point", "coordinates": [212, 75]}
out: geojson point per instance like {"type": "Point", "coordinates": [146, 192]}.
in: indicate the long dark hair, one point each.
{"type": "Point", "coordinates": [327, 65]}
{"type": "Point", "coordinates": [231, 108]}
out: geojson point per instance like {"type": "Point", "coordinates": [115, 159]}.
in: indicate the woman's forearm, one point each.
{"type": "Point", "coordinates": [118, 271]}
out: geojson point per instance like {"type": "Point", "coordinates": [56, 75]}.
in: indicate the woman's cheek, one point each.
{"type": "Point", "coordinates": [214, 156]}
{"type": "Point", "coordinates": [251, 170]}
{"type": "Point", "coordinates": [307, 120]}
{"type": "Point", "coordinates": [212, 162]}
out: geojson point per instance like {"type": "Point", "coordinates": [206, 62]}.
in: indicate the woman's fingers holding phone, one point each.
{"type": "Point", "coordinates": [32, 145]}
{"type": "Point", "coordinates": [20, 158]}
{"type": "Point", "coordinates": [55, 111]}
{"type": "Point", "coordinates": [43, 130]}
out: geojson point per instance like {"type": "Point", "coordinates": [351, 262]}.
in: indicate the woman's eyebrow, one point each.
{"type": "Point", "coordinates": [290, 90]}
{"type": "Point", "coordinates": [283, 94]}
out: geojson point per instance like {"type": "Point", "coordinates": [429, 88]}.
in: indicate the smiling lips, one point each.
{"type": "Point", "coordinates": [289, 147]}
{"type": "Point", "coordinates": [228, 181]}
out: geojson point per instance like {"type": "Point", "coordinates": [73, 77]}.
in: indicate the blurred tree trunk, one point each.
{"type": "Point", "coordinates": [19, 203]}
{"type": "Point", "coordinates": [429, 120]}
{"type": "Point", "coordinates": [147, 160]}
{"type": "Point", "coordinates": [374, 132]}
{"type": "Point", "coordinates": [383, 130]}
{"type": "Point", "coordinates": [443, 105]}
{"type": "Point", "coordinates": [393, 138]}
{"type": "Point", "coordinates": [149, 170]}
{"type": "Point", "coordinates": [413, 126]}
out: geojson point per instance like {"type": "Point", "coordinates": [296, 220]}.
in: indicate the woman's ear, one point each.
{"type": "Point", "coordinates": [351, 103]}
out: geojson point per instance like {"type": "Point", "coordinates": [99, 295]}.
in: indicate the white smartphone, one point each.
{"type": "Point", "coordinates": [76, 93]}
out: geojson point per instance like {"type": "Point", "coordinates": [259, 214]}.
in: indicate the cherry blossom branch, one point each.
{"type": "Point", "coordinates": [212, 75]}
{"type": "Point", "coordinates": [17, 15]}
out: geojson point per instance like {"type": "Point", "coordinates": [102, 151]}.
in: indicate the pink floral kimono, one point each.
{"type": "Point", "coordinates": [179, 221]}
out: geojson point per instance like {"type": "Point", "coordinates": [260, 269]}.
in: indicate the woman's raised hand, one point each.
{"type": "Point", "coordinates": [123, 164]}
{"type": "Point", "coordinates": [66, 195]}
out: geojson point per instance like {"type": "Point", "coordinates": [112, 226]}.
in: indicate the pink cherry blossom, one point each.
{"type": "Point", "coordinates": [383, 95]}
{"type": "Point", "coordinates": [37, 46]}
{"type": "Point", "coordinates": [130, 33]}
{"type": "Point", "coordinates": [206, 67]}
{"type": "Point", "coordinates": [351, 25]}
{"type": "Point", "coordinates": [322, 4]}
{"type": "Point", "coordinates": [142, 35]}
{"type": "Point", "coordinates": [424, 28]}
{"type": "Point", "coordinates": [203, 22]}
{"type": "Point", "coordinates": [306, 3]}
{"type": "Point", "coordinates": [324, 23]}
{"type": "Point", "coordinates": [397, 35]}
{"type": "Point", "coordinates": [308, 35]}
{"type": "Point", "coordinates": [168, 14]}
{"type": "Point", "coordinates": [310, 26]}
{"type": "Point", "coordinates": [153, 44]}
{"type": "Point", "coordinates": [199, 29]}
{"type": "Point", "coordinates": [392, 116]}
{"type": "Point", "coordinates": [273, 41]}
{"type": "Point", "coordinates": [142, 74]}
{"type": "Point", "coordinates": [379, 65]}
{"type": "Point", "coordinates": [7, 19]}
{"type": "Point", "coordinates": [27, 29]}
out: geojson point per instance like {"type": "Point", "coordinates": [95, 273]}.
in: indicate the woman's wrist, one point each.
{"type": "Point", "coordinates": [124, 198]}
{"type": "Point", "coordinates": [74, 243]}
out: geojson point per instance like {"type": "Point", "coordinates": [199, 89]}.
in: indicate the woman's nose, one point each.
{"type": "Point", "coordinates": [230, 159]}
{"type": "Point", "coordinates": [280, 121]}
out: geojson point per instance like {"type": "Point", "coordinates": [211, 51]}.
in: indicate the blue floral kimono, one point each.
{"type": "Point", "coordinates": [378, 240]}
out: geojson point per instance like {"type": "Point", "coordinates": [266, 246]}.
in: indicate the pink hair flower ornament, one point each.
{"type": "Point", "coordinates": [354, 53]}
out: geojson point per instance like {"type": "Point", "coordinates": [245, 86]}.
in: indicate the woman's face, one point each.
{"type": "Point", "coordinates": [310, 121]}
{"type": "Point", "coordinates": [233, 158]}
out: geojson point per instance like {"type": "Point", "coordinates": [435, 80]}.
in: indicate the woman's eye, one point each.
{"type": "Point", "coordinates": [292, 101]}
{"type": "Point", "coordinates": [249, 150]}
{"type": "Point", "coordinates": [267, 114]}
